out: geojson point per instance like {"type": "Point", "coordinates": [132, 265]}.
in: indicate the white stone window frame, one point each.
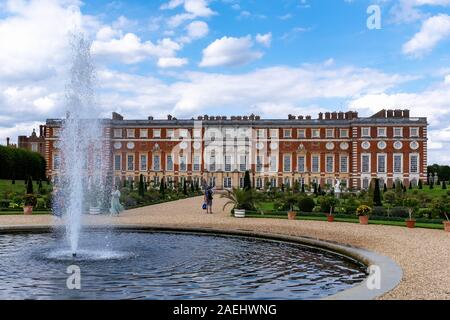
{"type": "Point", "coordinates": [170, 133]}
{"type": "Point", "coordinates": [287, 133]}
{"type": "Point", "coordinates": [118, 133]}
{"type": "Point", "coordinates": [395, 155]}
{"type": "Point", "coordinates": [299, 169]}
{"type": "Point", "coordinates": [327, 157]}
{"type": "Point", "coordinates": [273, 133]}
{"type": "Point", "coordinates": [120, 162]}
{"type": "Point", "coordinates": [411, 155]}
{"type": "Point", "coordinates": [273, 163]}
{"type": "Point", "coordinates": [259, 163]}
{"type": "Point", "coordinates": [346, 157]}
{"type": "Point", "coordinates": [365, 132]}
{"type": "Point", "coordinates": [369, 165]}
{"type": "Point", "coordinates": [315, 133]}
{"type": "Point", "coordinates": [130, 164]}
{"type": "Point", "coordinates": [301, 133]}
{"type": "Point", "coordinates": [381, 155]}
{"type": "Point", "coordinates": [381, 132]}
{"type": "Point", "coordinates": [412, 134]}
{"type": "Point", "coordinates": [143, 166]}
{"type": "Point", "coordinates": [329, 133]}
{"type": "Point", "coordinates": [183, 164]}
{"type": "Point", "coordinates": [170, 166]}
{"type": "Point", "coordinates": [287, 168]}
{"type": "Point", "coordinates": [131, 133]}
{"type": "Point", "coordinates": [398, 135]}
{"type": "Point", "coordinates": [154, 162]}
{"type": "Point", "coordinates": [196, 163]}
{"type": "Point", "coordinates": [314, 156]}
{"type": "Point", "coordinates": [143, 133]}
{"type": "Point", "coordinates": [156, 133]}
{"type": "Point", "coordinates": [344, 133]}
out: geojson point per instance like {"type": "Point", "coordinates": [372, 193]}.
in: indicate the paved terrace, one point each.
{"type": "Point", "coordinates": [423, 254]}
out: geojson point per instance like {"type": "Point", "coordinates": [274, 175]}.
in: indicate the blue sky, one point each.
{"type": "Point", "coordinates": [191, 57]}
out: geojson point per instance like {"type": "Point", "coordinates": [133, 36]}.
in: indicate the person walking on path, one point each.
{"type": "Point", "coordinates": [209, 199]}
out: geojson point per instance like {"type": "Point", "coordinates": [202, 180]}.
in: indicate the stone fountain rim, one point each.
{"type": "Point", "coordinates": [391, 272]}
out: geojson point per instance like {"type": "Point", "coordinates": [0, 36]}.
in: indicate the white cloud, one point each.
{"type": "Point", "coordinates": [194, 31]}
{"type": "Point", "coordinates": [264, 39]}
{"type": "Point", "coordinates": [131, 49]}
{"type": "Point", "coordinates": [229, 51]}
{"type": "Point", "coordinates": [433, 31]}
{"type": "Point", "coordinates": [33, 36]}
{"type": "Point", "coordinates": [193, 9]}
{"type": "Point", "coordinates": [172, 62]}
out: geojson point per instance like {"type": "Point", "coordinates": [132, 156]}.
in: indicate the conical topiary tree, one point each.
{"type": "Point", "coordinates": [162, 187]}
{"type": "Point", "coordinates": [141, 186]}
{"type": "Point", "coordinates": [303, 188]}
{"type": "Point", "coordinates": [444, 185]}
{"type": "Point", "coordinates": [247, 181]}
{"type": "Point", "coordinates": [385, 189]}
{"type": "Point", "coordinates": [315, 189]}
{"type": "Point", "coordinates": [377, 194]}
{"type": "Point", "coordinates": [30, 185]}
{"type": "Point", "coordinates": [319, 189]}
{"type": "Point", "coordinates": [420, 184]}
{"type": "Point", "coordinates": [410, 186]}
{"type": "Point", "coordinates": [191, 184]}
{"type": "Point", "coordinates": [185, 192]}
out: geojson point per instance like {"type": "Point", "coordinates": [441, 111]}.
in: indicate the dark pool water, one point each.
{"type": "Point", "coordinates": [149, 265]}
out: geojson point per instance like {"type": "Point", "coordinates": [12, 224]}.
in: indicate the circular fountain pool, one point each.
{"type": "Point", "coordinates": [160, 265]}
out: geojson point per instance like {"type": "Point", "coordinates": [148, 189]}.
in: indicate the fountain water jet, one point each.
{"type": "Point", "coordinates": [80, 143]}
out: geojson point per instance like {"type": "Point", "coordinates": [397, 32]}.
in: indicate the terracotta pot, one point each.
{"type": "Point", "coordinates": [446, 226]}
{"type": "Point", "coordinates": [411, 223]}
{"type": "Point", "coordinates": [292, 215]}
{"type": "Point", "coordinates": [364, 220]}
{"type": "Point", "coordinates": [330, 218]}
{"type": "Point", "coordinates": [239, 213]}
{"type": "Point", "coordinates": [28, 210]}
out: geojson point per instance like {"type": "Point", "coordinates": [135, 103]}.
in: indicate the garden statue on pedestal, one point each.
{"type": "Point", "coordinates": [337, 188]}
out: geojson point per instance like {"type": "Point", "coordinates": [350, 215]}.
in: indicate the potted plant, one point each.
{"type": "Point", "coordinates": [289, 202]}
{"type": "Point", "coordinates": [241, 200]}
{"type": "Point", "coordinates": [411, 204]}
{"type": "Point", "coordinates": [327, 204]}
{"type": "Point", "coordinates": [363, 213]}
{"type": "Point", "coordinates": [30, 201]}
{"type": "Point", "coordinates": [446, 223]}
{"type": "Point", "coordinates": [442, 205]}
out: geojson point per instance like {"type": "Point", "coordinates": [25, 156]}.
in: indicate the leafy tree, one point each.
{"type": "Point", "coordinates": [296, 187]}
{"type": "Point", "coordinates": [412, 204]}
{"type": "Point", "coordinates": [389, 199]}
{"type": "Point", "coordinates": [327, 203]}
{"type": "Point", "coordinates": [441, 205]}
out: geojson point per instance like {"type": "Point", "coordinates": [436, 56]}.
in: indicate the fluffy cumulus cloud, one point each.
{"type": "Point", "coordinates": [131, 49]}
{"type": "Point", "coordinates": [192, 10]}
{"type": "Point", "coordinates": [264, 39]}
{"type": "Point", "coordinates": [230, 51]}
{"type": "Point", "coordinates": [434, 30]}
{"type": "Point", "coordinates": [431, 103]}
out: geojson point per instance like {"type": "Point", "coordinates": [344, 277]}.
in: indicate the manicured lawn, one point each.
{"type": "Point", "coordinates": [19, 187]}
{"type": "Point", "coordinates": [18, 213]}
{"type": "Point", "coordinates": [349, 220]}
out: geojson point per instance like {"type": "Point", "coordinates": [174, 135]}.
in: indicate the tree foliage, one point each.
{"type": "Point", "coordinates": [19, 164]}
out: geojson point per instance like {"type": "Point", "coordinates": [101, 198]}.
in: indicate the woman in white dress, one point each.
{"type": "Point", "coordinates": [116, 207]}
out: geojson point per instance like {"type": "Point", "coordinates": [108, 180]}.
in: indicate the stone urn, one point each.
{"type": "Point", "coordinates": [292, 215]}
{"type": "Point", "coordinates": [239, 213]}
{"type": "Point", "coordinates": [446, 226]}
{"type": "Point", "coordinates": [364, 220]}
{"type": "Point", "coordinates": [411, 223]}
{"type": "Point", "coordinates": [28, 210]}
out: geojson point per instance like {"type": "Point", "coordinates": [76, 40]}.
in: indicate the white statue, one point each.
{"type": "Point", "coordinates": [337, 186]}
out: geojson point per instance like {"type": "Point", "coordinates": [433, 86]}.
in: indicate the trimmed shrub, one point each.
{"type": "Point", "coordinates": [306, 204]}
{"type": "Point", "coordinates": [379, 211]}
{"type": "Point", "coordinates": [400, 212]}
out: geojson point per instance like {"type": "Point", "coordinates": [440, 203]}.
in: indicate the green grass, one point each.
{"type": "Point", "coordinates": [20, 213]}
{"type": "Point", "coordinates": [19, 187]}
{"type": "Point", "coordinates": [349, 220]}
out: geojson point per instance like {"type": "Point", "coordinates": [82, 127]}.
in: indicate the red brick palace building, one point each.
{"type": "Point", "coordinates": [390, 145]}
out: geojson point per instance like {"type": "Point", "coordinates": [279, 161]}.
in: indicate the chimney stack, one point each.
{"type": "Point", "coordinates": [7, 141]}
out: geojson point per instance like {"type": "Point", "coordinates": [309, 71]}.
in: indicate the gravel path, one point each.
{"type": "Point", "coordinates": [423, 254]}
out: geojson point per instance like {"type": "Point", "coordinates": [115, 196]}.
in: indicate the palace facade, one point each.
{"type": "Point", "coordinates": [390, 145]}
